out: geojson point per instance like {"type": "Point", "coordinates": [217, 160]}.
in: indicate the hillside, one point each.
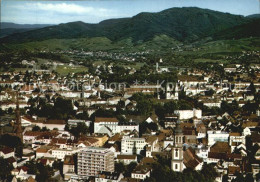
{"type": "Point", "coordinates": [182, 24]}
{"type": "Point", "coordinates": [250, 29]}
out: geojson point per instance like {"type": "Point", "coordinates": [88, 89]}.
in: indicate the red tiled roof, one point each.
{"type": "Point", "coordinates": [101, 119]}
{"type": "Point", "coordinates": [6, 150]}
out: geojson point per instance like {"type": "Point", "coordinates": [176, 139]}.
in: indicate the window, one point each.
{"type": "Point", "coordinates": [176, 153]}
{"type": "Point", "coordinates": [176, 166]}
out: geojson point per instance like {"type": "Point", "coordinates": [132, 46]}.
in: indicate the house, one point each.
{"type": "Point", "coordinates": [61, 153]}
{"type": "Point", "coordinates": [201, 130]}
{"type": "Point", "coordinates": [31, 136]}
{"type": "Point", "coordinates": [45, 161]}
{"type": "Point", "coordinates": [202, 151]}
{"type": "Point", "coordinates": [170, 120]}
{"type": "Point", "coordinates": [68, 167]}
{"type": "Point", "coordinates": [141, 173]}
{"type": "Point", "coordinates": [104, 176]}
{"type": "Point", "coordinates": [6, 152]}
{"type": "Point", "coordinates": [91, 142]}
{"type": "Point", "coordinates": [143, 169]}
{"type": "Point", "coordinates": [19, 171]}
{"type": "Point", "coordinates": [255, 137]}
{"type": "Point", "coordinates": [232, 170]}
{"type": "Point", "coordinates": [191, 160]}
{"type": "Point", "coordinates": [51, 124]}
{"type": "Point", "coordinates": [43, 152]}
{"type": "Point", "coordinates": [12, 161]}
{"type": "Point", "coordinates": [236, 139]}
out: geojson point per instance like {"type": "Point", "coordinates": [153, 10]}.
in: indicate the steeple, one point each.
{"type": "Point", "coordinates": [18, 124]}
{"type": "Point", "coordinates": [178, 135]}
{"type": "Point", "coordinates": [177, 149]}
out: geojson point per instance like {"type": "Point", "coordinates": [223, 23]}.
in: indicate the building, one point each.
{"type": "Point", "coordinates": [68, 167]}
{"type": "Point", "coordinates": [108, 177]}
{"type": "Point", "coordinates": [188, 114]}
{"type": "Point", "coordinates": [217, 136]}
{"type": "Point", "coordinates": [141, 174]}
{"type": "Point", "coordinates": [61, 153]}
{"type": "Point", "coordinates": [110, 123]}
{"type": "Point", "coordinates": [131, 145]}
{"type": "Point", "coordinates": [92, 160]}
{"type": "Point", "coordinates": [6, 152]}
{"type": "Point", "coordinates": [127, 159]}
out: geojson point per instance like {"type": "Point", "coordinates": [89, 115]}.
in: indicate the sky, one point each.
{"type": "Point", "coordinates": [94, 11]}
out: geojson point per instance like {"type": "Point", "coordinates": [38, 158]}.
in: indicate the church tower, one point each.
{"type": "Point", "coordinates": [18, 124]}
{"type": "Point", "coordinates": [177, 150]}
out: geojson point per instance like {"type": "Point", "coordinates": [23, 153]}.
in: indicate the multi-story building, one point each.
{"type": "Point", "coordinates": [131, 145]}
{"type": "Point", "coordinates": [92, 160]}
{"type": "Point", "coordinates": [113, 125]}
{"type": "Point", "coordinates": [110, 123]}
{"type": "Point", "coordinates": [217, 136]}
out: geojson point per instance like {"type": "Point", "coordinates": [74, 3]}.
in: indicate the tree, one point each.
{"type": "Point", "coordinates": [250, 107]}
{"type": "Point", "coordinates": [170, 107]}
{"type": "Point", "coordinates": [12, 142]}
{"type": "Point", "coordinates": [44, 172]}
{"type": "Point", "coordinates": [83, 115]}
{"type": "Point", "coordinates": [10, 110]}
{"type": "Point", "coordinates": [120, 167]}
{"type": "Point", "coordinates": [257, 176]}
{"type": "Point", "coordinates": [209, 92]}
{"type": "Point", "coordinates": [32, 168]}
{"type": "Point", "coordinates": [5, 169]}
{"type": "Point", "coordinates": [129, 168]}
{"type": "Point", "coordinates": [209, 172]}
{"type": "Point", "coordinates": [144, 107]}
{"type": "Point", "coordinates": [81, 128]}
{"type": "Point", "coordinates": [249, 177]}
{"type": "Point", "coordinates": [251, 88]}
{"type": "Point", "coordinates": [36, 128]}
{"type": "Point", "coordinates": [225, 178]}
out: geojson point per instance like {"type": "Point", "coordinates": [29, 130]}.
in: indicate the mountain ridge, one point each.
{"type": "Point", "coordinates": [182, 24]}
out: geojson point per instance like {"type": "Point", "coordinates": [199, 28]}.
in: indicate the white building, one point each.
{"type": "Point", "coordinates": [110, 123]}
{"type": "Point", "coordinates": [74, 122]}
{"type": "Point", "coordinates": [61, 153]}
{"type": "Point", "coordinates": [131, 145]}
{"type": "Point", "coordinates": [141, 174]}
{"type": "Point", "coordinates": [217, 136]}
{"type": "Point", "coordinates": [92, 160]}
{"type": "Point", "coordinates": [188, 114]}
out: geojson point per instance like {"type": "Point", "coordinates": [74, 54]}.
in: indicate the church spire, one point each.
{"type": "Point", "coordinates": [18, 124]}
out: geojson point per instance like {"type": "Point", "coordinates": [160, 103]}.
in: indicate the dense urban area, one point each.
{"type": "Point", "coordinates": [158, 97]}
{"type": "Point", "coordinates": [201, 122]}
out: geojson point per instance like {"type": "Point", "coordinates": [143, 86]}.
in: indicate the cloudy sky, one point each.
{"type": "Point", "coordinates": [94, 11]}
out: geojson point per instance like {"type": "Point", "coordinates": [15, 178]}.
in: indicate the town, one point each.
{"type": "Point", "coordinates": [112, 123]}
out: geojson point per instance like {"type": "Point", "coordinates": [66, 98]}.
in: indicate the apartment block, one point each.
{"type": "Point", "coordinates": [92, 160]}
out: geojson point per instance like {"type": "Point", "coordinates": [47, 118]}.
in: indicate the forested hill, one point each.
{"type": "Point", "coordinates": [182, 24]}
